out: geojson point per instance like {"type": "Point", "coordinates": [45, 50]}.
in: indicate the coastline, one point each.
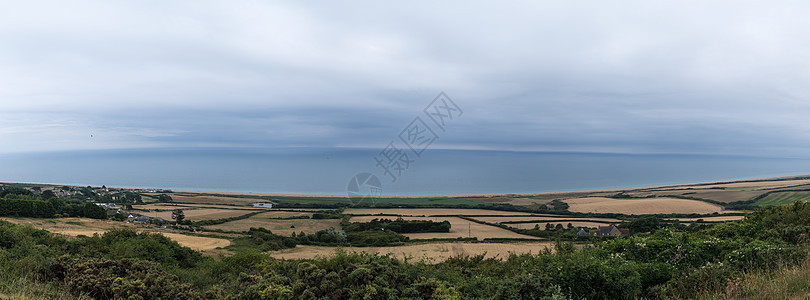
{"type": "Point", "coordinates": [685, 185]}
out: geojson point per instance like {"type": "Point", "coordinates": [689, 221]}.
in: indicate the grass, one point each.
{"type": "Point", "coordinates": [12, 287]}
{"type": "Point", "coordinates": [200, 214]}
{"type": "Point", "coordinates": [782, 198]}
{"type": "Point", "coordinates": [277, 226]}
{"type": "Point", "coordinates": [792, 282]}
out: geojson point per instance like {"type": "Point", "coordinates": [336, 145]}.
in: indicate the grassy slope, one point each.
{"type": "Point", "coordinates": [783, 283]}
{"type": "Point", "coordinates": [24, 288]}
{"type": "Point", "coordinates": [777, 199]}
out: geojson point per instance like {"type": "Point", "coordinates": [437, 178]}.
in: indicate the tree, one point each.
{"type": "Point", "coordinates": [178, 216]}
{"type": "Point", "coordinates": [164, 198]}
{"type": "Point", "coordinates": [645, 224]}
{"type": "Point", "coordinates": [91, 210]}
{"type": "Point", "coordinates": [57, 203]}
{"type": "Point", "coordinates": [15, 191]}
{"type": "Point", "coordinates": [47, 194]}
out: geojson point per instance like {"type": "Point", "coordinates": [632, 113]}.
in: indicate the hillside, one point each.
{"type": "Point", "coordinates": [667, 263]}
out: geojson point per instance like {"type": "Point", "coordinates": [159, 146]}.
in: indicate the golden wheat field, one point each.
{"type": "Point", "coordinates": [278, 226]}
{"type": "Point", "coordinates": [431, 212]}
{"type": "Point", "coordinates": [659, 205]}
{"type": "Point", "coordinates": [432, 252]}
{"type": "Point", "coordinates": [199, 243]}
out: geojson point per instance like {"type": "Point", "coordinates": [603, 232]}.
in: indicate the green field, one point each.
{"type": "Point", "coordinates": [783, 198]}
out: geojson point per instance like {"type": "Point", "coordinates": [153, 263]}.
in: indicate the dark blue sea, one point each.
{"type": "Point", "coordinates": [328, 171]}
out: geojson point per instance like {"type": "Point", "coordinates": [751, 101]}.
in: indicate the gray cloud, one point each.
{"type": "Point", "coordinates": [725, 77]}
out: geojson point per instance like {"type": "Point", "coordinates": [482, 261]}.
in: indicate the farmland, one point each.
{"type": "Point", "coordinates": [198, 214]}
{"type": "Point", "coordinates": [782, 198]}
{"type": "Point", "coordinates": [712, 219]}
{"type": "Point", "coordinates": [585, 224]}
{"type": "Point", "coordinates": [478, 217]}
{"type": "Point", "coordinates": [228, 235]}
{"type": "Point", "coordinates": [658, 205]}
{"type": "Point", "coordinates": [460, 229]}
{"type": "Point", "coordinates": [527, 219]}
{"type": "Point", "coordinates": [431, 252]}
{"type": "Point", "coordinates": [84, 226]}
{"type": "Point", "coordinates": [272, 221]}
{"type": "Point", "coordinates": [429, 212]}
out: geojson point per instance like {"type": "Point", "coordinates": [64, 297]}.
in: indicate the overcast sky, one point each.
{"type": "Point", "coordinates": [719, 77]}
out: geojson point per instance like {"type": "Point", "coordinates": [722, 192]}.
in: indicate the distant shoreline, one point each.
{"type": "Point", "coordinates": [686, 185]}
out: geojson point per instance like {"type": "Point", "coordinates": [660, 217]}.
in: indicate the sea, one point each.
{"type": "Point", "coordinates": [330, 171]}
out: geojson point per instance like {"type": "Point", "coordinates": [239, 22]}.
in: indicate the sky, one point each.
{"type": "Point", "coordinates": [693, 77]}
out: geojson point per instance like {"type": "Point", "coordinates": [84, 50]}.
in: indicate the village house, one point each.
{"type": "Point", "coordinates": [263, 204]}
{"type": "Point", "coordinates": [611, 230]}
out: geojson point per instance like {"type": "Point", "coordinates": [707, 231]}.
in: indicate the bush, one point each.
{"type": "Point", "coordinates": [103, 278]}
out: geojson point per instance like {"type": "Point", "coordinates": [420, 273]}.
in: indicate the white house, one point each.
{"type": "Point", "coordinates": [263, 204]}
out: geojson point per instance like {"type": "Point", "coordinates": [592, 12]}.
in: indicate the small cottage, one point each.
{"type": "Point", "coordinates": [611, 230]}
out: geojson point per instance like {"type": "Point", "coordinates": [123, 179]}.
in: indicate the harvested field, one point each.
{"type": "Point", "coordinates": [658, 205]}
{"type": "Point", "coordinates": [199, 214]}
{"type": "Point", "coordinates": [716, 195]}
{"type": "Point", "coordinates": [759, 184]}
{"type": "Point", "coordinates": [711, 219]}
{"type": "Point", "coordinates": [88, 227]}
{"type": "Point", "coordinates": [199, 243]}
{"type": "Point", "coordinates": [431, 212]}
{"type": "Point", "coordinates": [432, 252]}
{"type": "Point", "coordinates": [564, 224]}
{"type": "Point", "coordinates": [71, 226]}
{"type": "Point", "coordinates": [458, 228]}
{"type": "Point", "coordinates": [277, 226]}
{"type": "Point", "coordinates": [541, 218]}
